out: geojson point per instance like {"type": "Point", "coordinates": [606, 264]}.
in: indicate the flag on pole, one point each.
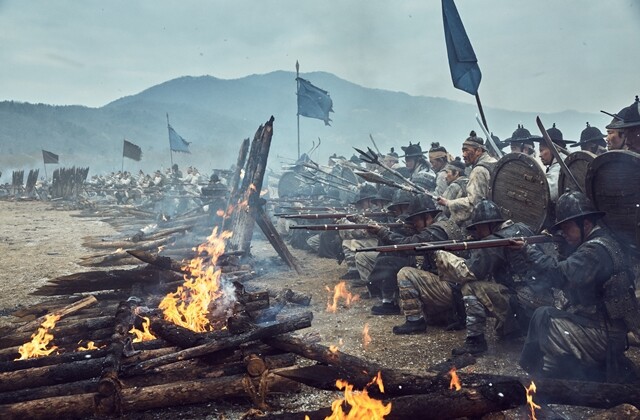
{"type": "Point", "coordinates": [313, 102]}
{"type": "Point", "coordinates": [177, 143]}
{"type": "Point", "coordinates": [131, 151]}
{"type": "Point", "coordinates": [49, 157]}
{"type": "Point", "coordinates": [463, 63]}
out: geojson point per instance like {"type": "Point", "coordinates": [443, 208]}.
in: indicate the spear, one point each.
{"type": "Point", "coordinates": [322, 181]}
{"type": "Point", "coordinates": [316, 167]}
{"type": "Point", "coordinates": [371, 157]}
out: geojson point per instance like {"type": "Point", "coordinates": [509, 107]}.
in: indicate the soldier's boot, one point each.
{"type": "Point", "coordinates": [411, 327]}
{"type": "Point", "coordinates": [472, 345]}
{"type": "Point", "coordinates": [386, 308]}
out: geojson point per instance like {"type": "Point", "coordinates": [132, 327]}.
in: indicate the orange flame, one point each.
{"type": "Point", "coordinates": [90, 346]}
{"type": "Point", "coordinates": [145, 334]}
{"type": "Point", "coordinates": [366, 338]}
{"type": "Point", "coordinates": [455, 381]}
{"type": "Point", "coordinates": [362, 406]}
{"type": "Point", "coordinates": [340, 291]}
{"type": "Point", "coordinates": [333, 349]}
{"type": "Point", "coordinates": [190, 304]}
{"type": "Point", "coordinates": [530, 391]}
{"type": "Point", "coordinates": [220, 213]}
{"type": "Point", "coordinates": [40, 340]}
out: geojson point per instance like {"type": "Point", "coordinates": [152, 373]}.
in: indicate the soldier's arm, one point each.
{"type": "Point", "coordinates": [477, 189]}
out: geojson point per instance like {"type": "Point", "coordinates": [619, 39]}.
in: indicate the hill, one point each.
{"type": "Point", "coordinates": [216, 114]}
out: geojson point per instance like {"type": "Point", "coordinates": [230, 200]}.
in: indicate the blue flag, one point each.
{"type": "Point", "coordinates": [463, 63]}
{"type": "Point", "coordinates": [177, 143]}
{"type": "Point", "coordinates": [313, 102]}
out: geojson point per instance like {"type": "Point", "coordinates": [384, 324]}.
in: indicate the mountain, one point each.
{"type": "Point", "coordinates": [215, 115]}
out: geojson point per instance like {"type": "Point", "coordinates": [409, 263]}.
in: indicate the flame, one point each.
{"type": "Point", "coordinates": [145, 334]}
{"type": "Point", "coordinates": [340, 291]}
{"type": "Point", "coordinates": [90, 346]}
{"type": "Point", "coordinates": [40, 340]}
{"type": "Point", "coordinates": [264, 192]}
{"type": "Point", "coordinates": [190, 304]}
{"type": "Point", "coordinates": [455, 381]}
{"type": "Point", "coordinates": [333, 349]}
{"type": "Point", "coordinates": [366, 338]}
{"type": "Point", "coordinates": [530, 391]}
{"type": "Point", "coordinates": [220, 213]}
{"type": "Point", "coordinates": [362, 406]}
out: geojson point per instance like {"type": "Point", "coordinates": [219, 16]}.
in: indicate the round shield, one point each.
{"type": "Point", "coordinates": [613, 186]}
{"type": "Point", "coordinates": [289, 185]}
{"type": "Point", "coordinates": [577, 162]}
{"type": "Point", "coordinates": [519, 187]}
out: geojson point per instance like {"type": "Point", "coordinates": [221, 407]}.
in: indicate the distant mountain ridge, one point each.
{"type": "Point", "coordinates": [216, 114]}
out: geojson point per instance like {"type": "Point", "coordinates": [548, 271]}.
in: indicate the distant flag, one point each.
{"type": "Point", "coordinates": [463, 63]}
{"type": "Point", "coordinates": [177, 143]}
{"type": "Point", "coordinates": [49, 157]}
{"type": "Point", "coordinates": [131, 151]}
{"type": "Point", "coordinates": [313, 102]}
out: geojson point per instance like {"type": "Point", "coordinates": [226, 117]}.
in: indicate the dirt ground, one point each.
{"type": "Point", "coordinates": [38, 243]}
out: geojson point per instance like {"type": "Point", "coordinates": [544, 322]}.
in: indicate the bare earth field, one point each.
{"type": "Point", "coordinates": [38, 244]}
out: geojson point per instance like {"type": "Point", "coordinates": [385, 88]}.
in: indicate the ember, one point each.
{"type": "Point", "coordinates": [40, 340]}
{"type": "Point", "coordinates": [189, 306]}
{"type": "Point", "coordinates": [366, 338]}
{"type": "Point", "coordinates": [455, 381]}
{"type": "Point", "coordinates": [530, 391]}
{"type": "Point", "coordinates": [340, 291]}
{"type": "Point", "coordinates": [90, 346]}
{"type": "Point", "coordinates": [362, 406]}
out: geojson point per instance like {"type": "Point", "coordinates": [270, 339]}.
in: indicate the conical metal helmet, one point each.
{"type": "Point", "coordinates": [486, 211]}
{"type": "Point", "coordinates": [400, 197]}
{"type": "Point", "coordinates": [573, 205]}
{"type": "Point", "coordinates": [631, 116]}
{"type": "Point", "coordinates": [367, 192]}
{"type": "Point", "coordinates": [591, 135]}
{"type": "Point", "coordinates": [421, 204]}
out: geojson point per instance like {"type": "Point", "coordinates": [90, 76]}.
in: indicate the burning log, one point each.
{"type": "Point", "coordinates": [116, 258]}
{"type": "Point", "coordinates": [143, 245]}
{"type": "Point", "coordinates": [50, 375]}
{"type": "Point", "coordinates": [147, 398]}
{"type": "Point", "coordinates": [244, 220]}
{"type": "Point", "coordinates": [109, 386]}
{"type": "Point", "coordinates": [67, 310]}
{"type": "Point", "coordinates": [235, 195]}
{"type": "Point", "coordinates": [261, 331]}
{"type": "Point", "coordinates": [165, 263]}
{"type": "Point", "coordinates": [275, 240]}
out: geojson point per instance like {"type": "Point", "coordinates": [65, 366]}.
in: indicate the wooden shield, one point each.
{"type": "Point", "coordinates": [519, 187]}
{"type": "Point", "coordinates": [577, 162]}
{"type": "Point", "coordinates": [613, 186]}
{"type": "Point", "coordinates": [289, 185]}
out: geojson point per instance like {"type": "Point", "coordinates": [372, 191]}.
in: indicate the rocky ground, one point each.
{"type": "Point", "coordinates": [38, 243]}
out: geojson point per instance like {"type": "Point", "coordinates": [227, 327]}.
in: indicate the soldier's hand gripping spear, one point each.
{"type": "Point", "coordinates": [372, 157]}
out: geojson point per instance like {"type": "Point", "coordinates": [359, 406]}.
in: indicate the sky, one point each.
{"type": "Point", "coordinates": [539, 56]}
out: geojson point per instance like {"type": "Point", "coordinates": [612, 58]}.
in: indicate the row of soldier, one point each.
{"type": "Point", "coordinates": [574, 301]}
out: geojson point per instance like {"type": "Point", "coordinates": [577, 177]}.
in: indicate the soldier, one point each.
{"type": "Point", "coordinates": [475, 156]}
{"type": "Point", "coordinates": [521, 141]}
{"type": "Point", "coordinates": [588, 339]}
{"type": "Point", "coordinates": [421, 214]}
{"type": "Point", "coordinates": [553, 167]}
{"type": "Point", "coordinates": [631, 126]}
{"type": "Point", "coordinates": [456, 186]}
{"type": "Point", "coordinates": [371, 261]}
{"type": "Point", "coordinates": [482, 297]}
{"type": "Point", "coordinates": [615, 134]}
{"type": "Point", "coordinates": [357, 238]}
{"type": "Point", "coordinates": [391, 159]}
{"type": "Point", "coordinates": [592, 140]}
{"type": "Point", "coordinates": [415, 161]}
{"type": "Point", "coordinates": [438, 157]}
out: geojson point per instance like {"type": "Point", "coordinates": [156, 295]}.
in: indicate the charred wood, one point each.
{"type": "Point", "coordinates": [67, 310]}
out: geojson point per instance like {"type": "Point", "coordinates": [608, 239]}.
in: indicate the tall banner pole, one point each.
{"type": "Point", "coordinates": [122, 168]}
{"type": "Point", "coordinates": [46, 177]}
{"type": "Point", "coordinates": [170, 151]}
{"type": "Point", "coordinates": [298, 114]}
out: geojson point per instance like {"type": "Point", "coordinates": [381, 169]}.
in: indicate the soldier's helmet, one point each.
{"type": "Point", "coordinates": [318, 190]}
{"type": "Point", "coordinates": [400, 197]}
{"type": "Point", "coordinates": [412, 150]}
{"type": "Point", "coordinates": [574, 205]}
{"type": "Point", "coordinates": [214, 178]}
{"type": "Point", "coordinates": [426, 180]}
{"type": "Point", "coordinates": [421, 204]}
{"type": "Point", "coordinates": [385, 193]}
{"type": "Point", "coordinates": [618, 119]}
{"type": "Point", "coordinates": [557, 137]}
{"type": "Point", "coordinates": [367, 192]}
{"type": "Point", "coordinates": [631, 116]}
{"type": "Point", "coordinates": [521, 136]}
{"type": "Point", "coordinates": [591, 135]}
{"type": "Point", "coordinates": [486, 211]}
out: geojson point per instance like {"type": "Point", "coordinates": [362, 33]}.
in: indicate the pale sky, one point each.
{"type": "Point", "coordinates": [535, 55]}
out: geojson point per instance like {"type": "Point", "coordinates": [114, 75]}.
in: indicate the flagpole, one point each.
{"type": "Point", "coordinates": [46, 177]}
{"type": "Point", "coordinates": [297, 99]}
{"type": "Point", "coordinates": [484, 120]}
{"type": "Point", "coordinates": [122, 168]}
{"type": "Point", "coordinates": [170, 151]}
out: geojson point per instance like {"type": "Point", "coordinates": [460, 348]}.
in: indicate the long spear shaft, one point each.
{"type": "Point", "coordinates": [322, 181]}
{"type": "Point", "coordinates": [316, 167]}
